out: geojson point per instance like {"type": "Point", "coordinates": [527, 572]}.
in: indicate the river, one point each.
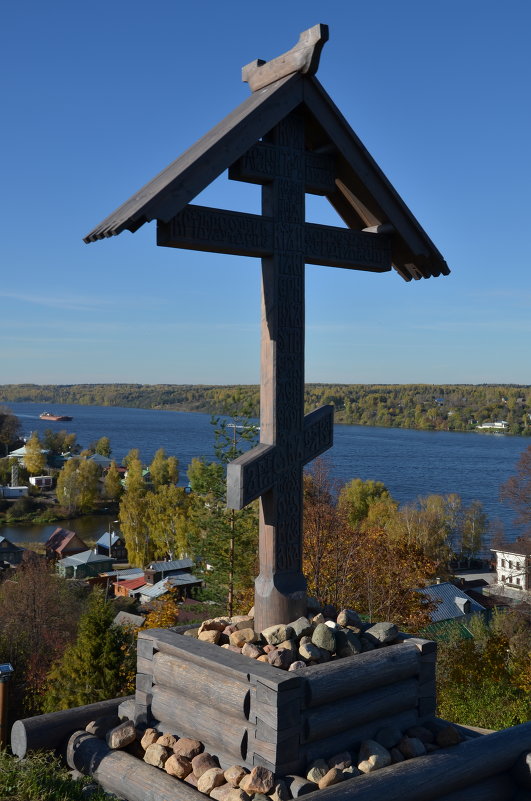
{"type": "Point", "coordinates": [410, 463]}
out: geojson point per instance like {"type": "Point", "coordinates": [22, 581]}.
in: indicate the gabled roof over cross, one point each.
{"type": "Point", "coordinates": [359, 191]}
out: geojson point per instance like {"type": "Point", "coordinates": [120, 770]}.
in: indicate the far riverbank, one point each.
{"type": "Point", "coordinates": [422, 407]}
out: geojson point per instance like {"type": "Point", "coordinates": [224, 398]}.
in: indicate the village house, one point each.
{"type": "Point", "coordinates": [127, 587]}
{"type": "Point", "coordinates": [156, 571]}
{"type": "Point", "coordinates": [513, 566]}
{"type": "Point", "coordinates": [453, 605]}
{"type": "Point", "coordinates": [86, 564]}
{"type": "Point", "coordinates": [185, 583]}
{"type": "Point", "coordinates": [129, 620]}
{"type": "Point", "coordinates": [62, 543]}
{"type": "Point", "coordinates": [9, 552]}
{"type": "Point", "coordinates": [41, 482]}
{"type": "Point", "coordinates": [103, 462]}
{"type": "Point", "coordinates": [13, 492]}
{"type": "Point", "coordinates": [162, 576]}
{"type": "Point", "coordinates": [111, 544]}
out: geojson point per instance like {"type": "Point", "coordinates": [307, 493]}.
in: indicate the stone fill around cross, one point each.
{"type": "Point", "coordinates": [273, 470]}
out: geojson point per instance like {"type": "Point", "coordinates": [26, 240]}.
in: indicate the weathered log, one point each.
{"type": "Point", "coordinates": [207, 723]}
{"type": "Point", "coordinates": [348, 713]}
{"type": "Point", "coordinates": [442, 773]}
{"type": "Point", "coordinates": [234, 666]}
{"type": "Point", "coordinates": [521, 770]}
{"type": "Point", "coordinates": [496, 788]}
{"type": "Point", "coordinates": [204, 684]}
{"type": "Point", "coordinates": [126, 710]}
{"type": "Point", "coordinates": [121, 773]}
{"type": "Point", "coordinates": [51, 730]}
{"type": "Point", "coordinates": [334, 681]}
{"type": "Point", "coordinates": [351, 738]}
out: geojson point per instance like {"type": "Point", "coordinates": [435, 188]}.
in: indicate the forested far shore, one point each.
{"type": "Point", "coordinates": [437, 407]}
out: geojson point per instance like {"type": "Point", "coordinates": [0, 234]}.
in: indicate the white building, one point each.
{"type": "Point", "coordinates": [513, 565]}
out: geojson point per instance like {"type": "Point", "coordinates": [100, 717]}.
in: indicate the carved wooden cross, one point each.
{"type": "Point", "coordinates": [264, 142]}
{"type": "Point", "coordinates": [272, 471]}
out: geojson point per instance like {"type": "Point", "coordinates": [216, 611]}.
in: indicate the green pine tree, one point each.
{"type": "Point", "coordinates": [97, 666]}
{"type": "Point", "coordinates": [226, 539]}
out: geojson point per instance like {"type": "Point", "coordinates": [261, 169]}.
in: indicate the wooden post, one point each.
{"type": "Point", "coordinates": [280, 588]}
{"type": "Point", "coordinates": [3, 713]}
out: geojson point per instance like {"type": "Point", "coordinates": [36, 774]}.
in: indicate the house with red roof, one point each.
{"type": "Point", "coordinates": [62, 543]}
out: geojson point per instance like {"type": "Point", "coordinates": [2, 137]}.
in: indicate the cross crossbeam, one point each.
{"type": "Point", "coordinates": [255, 472]}
{"type": "Point", "coordinates": [219, 231]}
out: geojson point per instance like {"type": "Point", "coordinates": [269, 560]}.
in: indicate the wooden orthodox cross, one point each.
{"type": "Point", "coordinates": [273, 470]}
{"type": "Point", "coordinates": [265, 141]}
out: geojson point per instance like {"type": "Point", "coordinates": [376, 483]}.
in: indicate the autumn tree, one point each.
{"type": "Point", "coordinates": [474, 526]}
{"type": "Point", "coordinates": [130, 456]}
{"type": "Point", "coordinates": [58, 442]}
{"type": "Point", "coordinates": [40, 612]}
{"type": "Point", "coordinates": [163, 470]}
{"type": "Point", "coordinates": [172, 467]}
{"type": "Point", "coordinates": [112, 483]}
{"type": "Point", "coordinates": [364, 567]}
{"type": "Point", "coordinates": [97, 665]}
{"type": "Point", "coordinates": [133, 517]}
{"type": "Point", "coordinates": [103, 447]}
{"type": "Point", "coordinates": [167, 520]}
{"type": "Point", "coordinates": [516, 491]}
{"type": "Point", "coordinates": [9, 429]}
{"type": "Point", "coordinates": [164, 611]}
{"type": "Point", "coordinates": [429, 526]}
{"type": "Point", "coordinates": [356, 497]}
{"type": "Point", "coordinates": [78, 486]}
{"type": "Point", "coordinates": [327, 551]}
{"type": "Point", "coordinates": [34, 458]}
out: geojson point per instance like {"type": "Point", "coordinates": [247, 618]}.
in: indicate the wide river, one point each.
{"type": "Point", "coordinates": [410, 463]}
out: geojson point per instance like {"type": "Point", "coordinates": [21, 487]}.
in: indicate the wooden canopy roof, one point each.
{"type": "Point", "coordinates": [363, 196]}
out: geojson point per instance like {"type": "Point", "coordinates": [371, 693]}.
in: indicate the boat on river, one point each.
{"type": "Point", "coordinates": [54, 417]}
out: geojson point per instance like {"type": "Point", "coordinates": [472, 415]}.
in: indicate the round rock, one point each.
{"type": "Point", "coordinates": [323, 637]}
{"type": "Point", "coordinates": [188, 748]}
{"type": "Point", "coordinates": [210, 779]}
{"type": "Point", "coordinates": [178, 766]}
{"type": "Point", "coordinates": [156, 755]}
{"type": "Point", "coordinates": [203, 762]}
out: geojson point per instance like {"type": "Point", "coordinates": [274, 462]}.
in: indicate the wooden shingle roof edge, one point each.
{"type": "Point", "coordinates": [364, 197]}
{"type": "Point", "coordinates": [182, 180]}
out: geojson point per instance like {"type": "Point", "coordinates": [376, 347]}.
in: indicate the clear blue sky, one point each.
{"type": "Point", "coordinates": [97, 97]}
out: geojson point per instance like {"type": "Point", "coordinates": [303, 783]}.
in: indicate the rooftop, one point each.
{"type": "Point", "coordinates": [520, 546]}
{"type": "Point", "coordinates": [451, 601]}
{"type": "Point", "coordinates": [59, 539]}
{"type": "Point", "coordinates": [175, 564]}
{"type": "Point", "coordinates": [104, 539]}
{"type": "Point", "coordinates": [162, 586]}
{"type": "Point", "coordinates": [83, 558]}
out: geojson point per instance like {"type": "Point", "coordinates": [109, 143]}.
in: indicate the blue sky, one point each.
{"type": "Point", "coordinates": [98, 97]}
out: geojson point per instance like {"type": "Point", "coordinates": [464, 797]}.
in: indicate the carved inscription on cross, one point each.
{"type": "Point", "coordinates": [272, 471]}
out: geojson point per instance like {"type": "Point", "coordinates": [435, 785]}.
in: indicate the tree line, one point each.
{"type": "Point", "coordinates": [442, 407]}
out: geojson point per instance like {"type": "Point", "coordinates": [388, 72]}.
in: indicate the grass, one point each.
{"type": "Point", "coordinates": [40, 777]}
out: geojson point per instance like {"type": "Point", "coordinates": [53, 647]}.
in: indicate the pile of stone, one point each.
{"type": "Point", "coordinates": [187, 760]}
{"type": "Point", "coordinates": [307, 641]}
